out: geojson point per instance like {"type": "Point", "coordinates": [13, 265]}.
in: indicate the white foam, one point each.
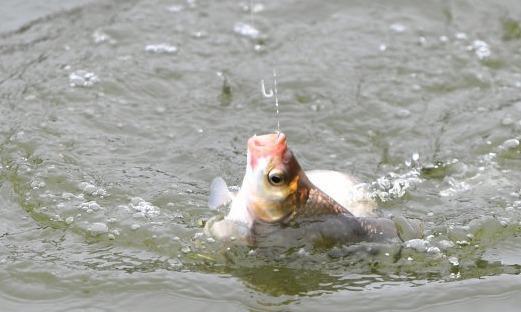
{"type": "Point", "coordinates": [143, 208]}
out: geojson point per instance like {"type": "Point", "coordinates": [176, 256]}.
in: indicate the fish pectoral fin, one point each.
{"type": "Point", "coordinates": [219, 193]}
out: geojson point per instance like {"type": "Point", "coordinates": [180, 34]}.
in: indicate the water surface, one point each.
{"type": "Point", "coordinates": [116, 115]}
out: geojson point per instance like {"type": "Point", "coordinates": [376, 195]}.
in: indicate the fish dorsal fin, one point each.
{"type": "Point", "coordinates": [219, 193]}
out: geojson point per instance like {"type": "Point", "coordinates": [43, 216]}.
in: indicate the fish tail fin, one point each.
{"type": "Point", "coordinates": [219, 193]}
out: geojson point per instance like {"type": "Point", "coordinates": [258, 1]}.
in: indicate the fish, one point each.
{"type": "Point", "coordinates": [277, 197]}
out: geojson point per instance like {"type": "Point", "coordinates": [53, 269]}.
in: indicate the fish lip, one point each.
{"type": "Point", "coordinates": [266, 140]}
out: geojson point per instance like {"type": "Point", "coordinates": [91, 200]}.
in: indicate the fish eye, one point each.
{"type": "Point", "coordinates": [276, 177]}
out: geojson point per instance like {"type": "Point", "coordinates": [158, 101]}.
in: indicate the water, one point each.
{"type": "Point", "coordinates": [115, 116]}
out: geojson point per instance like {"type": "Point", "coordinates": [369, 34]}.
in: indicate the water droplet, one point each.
{"type": "Point", "coordinates": [507, 121]}
{"type": "Point", "coordinates": [480, 48]}
{"type": "Point", "coordinates": [460, 36]}
{"type": "Point", "coordinates": [402, 113]}
{"type": "Point", "coordinates": [161, 48]}
{"type": "Point", "coordinates": [82, 78]}
{"type": "Point", "coordinates": [454, 261]}
{"type": "Point", "coordinates": [397, 27]}
{"type": "Point", "coordinates": [100, 37]}
{"type": "Point", "coordinates": [510, 144]}
{"type": "Point", "coordinates": [246, 30]}
{"type": "Point", "coordinates": [175, 8]}
{"type": "Point", "coordinates": [433, 250]}
{"type": "Point", "coordinates": [417, 244]}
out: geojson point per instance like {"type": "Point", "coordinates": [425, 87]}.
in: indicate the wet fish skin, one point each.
{"type": "Point", "coordinates": [265, 209]}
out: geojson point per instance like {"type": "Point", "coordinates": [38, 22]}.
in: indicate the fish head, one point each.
{"type": "Point", "coordinates": [272, 178]}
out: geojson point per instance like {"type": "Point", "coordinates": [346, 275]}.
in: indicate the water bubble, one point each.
{"type": "Point", "coordinates": [69, 220]}
{"type": "Point", "coordinates": [402, 113]}
{"type": "Point", "coordinates": [382, 47]}
{"type": "Point", "coordinates": [135, 226]}
{"type": "Point", "coordinates": [397, 27]}
{"type": "Point", "coordinates": [98, 228]}
{"type": "Point", "coordinates": [82, 78]}
{"type": "Point", "coordinates": [175, 263]}
{"type": "Point", "coordinates": [510, 144]}
{"type": "Point", "coordinates": [422, 40]}
{"type": "Point", "coordinates": [444, 39]}
{"type": "Point", "coordinates": [198, 235]}
{"type": "Point", "coordinates": [417, 244]}
{"type": "Point", "coordinates": [100, 37]}
{"type": "Point", "coordinates": [185, 249]}
{"type": "Point", "coordinates": [507, 121]}
{"type": "Point", "coordinates": [462, 242]}
{"type": "Point", "coordinates": [480, 48]}
{"type": "Point", "coordinates": [246, 30]}
{"type": "Point", "coordinates": [199, 34]}
{"type": "Point", "coordinates": [257, 7]}
{"type": "Point", "coordinates": [90, 206]}
{"type": "Point", "coordinates": [302, 252]}
{"type": "Point", "coordinates": [393, 185]}
{"type": "Point", "coordinates": [455, 187]}
{"type": "Point", "coordinates": [143, 208]}
{"type": "Point", "coordinates": [91, 189]}
{"type": "Point", "coordinates": [455, 275]}
{"type": "Point", "coordinates": [454, 261]}
{"type": "Point", "coordinates": [433, 250]}
{"type": "Point", "coordinates": [445, 244]}
{"type": "Point", "coordinates": [88, 188]}
{"type": "Point", "coordinates": [161, 48]}
{"type": "Point", "coordinates": [175, 8]}
{"type": "Point", "coordinates": [460, 36]}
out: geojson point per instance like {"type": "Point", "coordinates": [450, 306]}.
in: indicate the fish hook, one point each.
{"type": "Point", "coordinates": [267, 95]}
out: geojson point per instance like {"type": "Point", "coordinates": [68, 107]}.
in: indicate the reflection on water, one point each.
{"type": "Point", "coordinates": [115, 116]}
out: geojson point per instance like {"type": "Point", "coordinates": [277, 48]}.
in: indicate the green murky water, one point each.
{"type": "Point", "coordinates": [116, 115]}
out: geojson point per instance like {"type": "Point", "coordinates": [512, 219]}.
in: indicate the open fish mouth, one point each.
{"type": "Point", "coordinates": [267, 140]}
{"type": "Point", "coordinates": [267, 145]}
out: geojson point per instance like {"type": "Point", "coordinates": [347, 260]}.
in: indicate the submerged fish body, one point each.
{"type": "Point", "coordinates": [277, 197]}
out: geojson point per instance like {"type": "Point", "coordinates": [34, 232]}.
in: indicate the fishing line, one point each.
{"type": "Point", "coordinates": [272, 92]}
